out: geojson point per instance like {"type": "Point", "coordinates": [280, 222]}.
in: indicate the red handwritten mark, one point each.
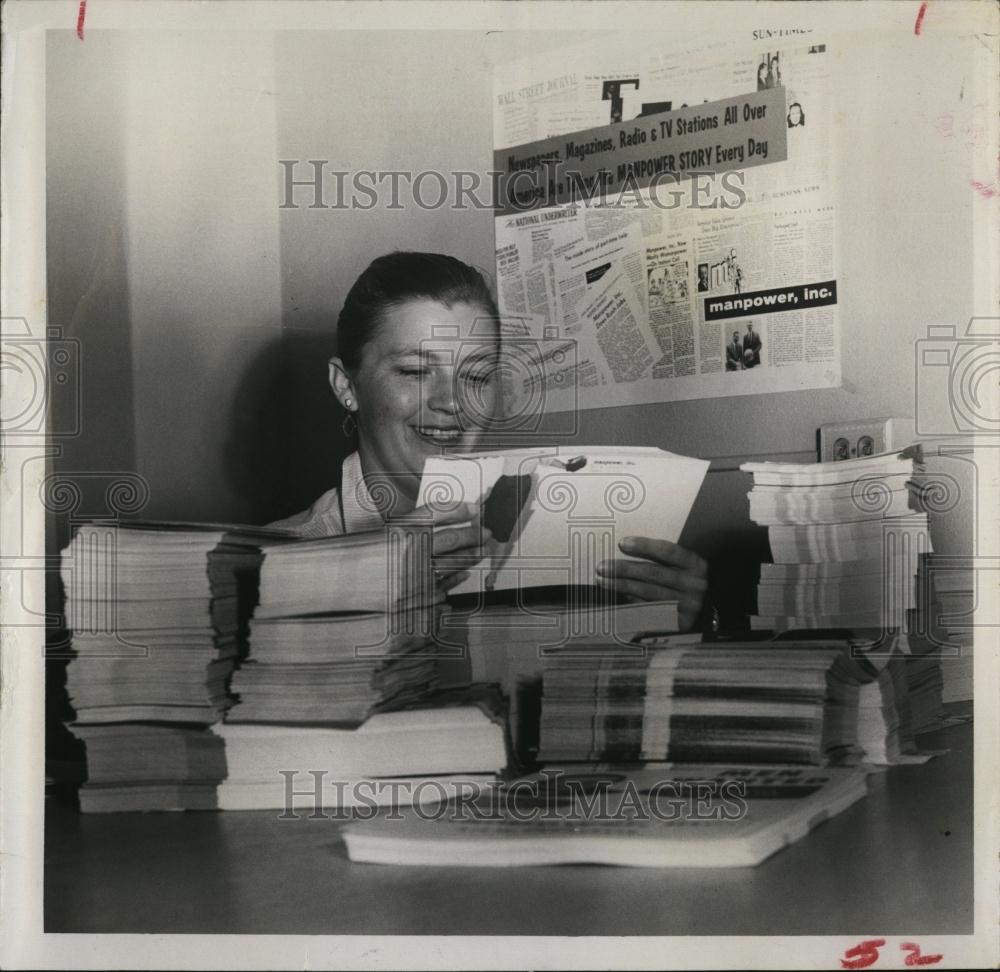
{"type": "Point", "coordinates": [987, 192]}
{"type": "Point", "coordinates": [920, 18]}
{"type": "Point", "coordinates": [945, 124]}
{"type": "Point", "coordinates": [862, 955]}
{"type": "Point", "coordinates": [80, 18]}
{"type": "Point", "coordinates": [915, 958]}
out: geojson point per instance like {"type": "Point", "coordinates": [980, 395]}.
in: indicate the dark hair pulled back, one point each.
{"type": "Point", "coordinates": [397, 278]}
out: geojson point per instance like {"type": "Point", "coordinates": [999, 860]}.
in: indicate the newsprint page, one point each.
{"type": "Point", "coordinates": [499, 485]}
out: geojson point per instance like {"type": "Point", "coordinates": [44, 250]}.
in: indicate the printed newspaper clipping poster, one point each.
{"type": "Point", "coordinates": [665, 225]}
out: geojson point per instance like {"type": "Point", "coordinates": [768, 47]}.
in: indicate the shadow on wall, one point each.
{"type": "Point", "coordinates": [91, 459]}
{"type": "Point", "coordinates": [90, 393]}
{"type": "Point", "coordinates": [720, 530]}
{"type": "Point", "coordinates": [285, 444]}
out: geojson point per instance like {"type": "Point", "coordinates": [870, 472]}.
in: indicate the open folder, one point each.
{"type": "Point", "coordinates": [554, 513]}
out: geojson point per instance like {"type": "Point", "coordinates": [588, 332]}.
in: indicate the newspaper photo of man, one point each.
{"type": "Point", "coordinates": [751, 347]}
{"type": "Point", "coordinates": [734, 353]}
{"type": "Point", "coordinates": [773, 73]}
{"type": "Point", "coordinates": [702, 278]}
{"type": "Point", "coordinates": [768, 72]}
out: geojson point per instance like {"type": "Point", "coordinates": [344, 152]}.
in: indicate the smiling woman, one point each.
{"type": "Point", "coordinates": [418, 340]}
{"type": "Point", "coordinates": [417, 372]}
{"type": "Point", "coordinates": [411, 368]}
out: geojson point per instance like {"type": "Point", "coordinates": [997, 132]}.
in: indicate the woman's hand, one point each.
{"type": "Point", "coordinates": [666, 572]}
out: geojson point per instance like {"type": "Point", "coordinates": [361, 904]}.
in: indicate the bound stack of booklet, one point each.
{"type": "Point", "coordinates": [815, 702]}
{"type": "Point", "coordinates": [845, 540]}
{"type": "Point", "coordinates": [158, 616]}
{"type": "Point", "coordinates": [421, 755]}
{"type": "Point", "coordinates": [150, 766]}
{"type": "Point", "coordinates": [339, 630]}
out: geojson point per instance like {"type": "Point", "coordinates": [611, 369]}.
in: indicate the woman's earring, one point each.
{"type": "Point", "coordinates": [349, 426]}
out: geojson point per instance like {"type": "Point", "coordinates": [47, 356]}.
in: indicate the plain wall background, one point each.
{"type": "Point", "coordinates": [382, 101]}
{"type": "Point", "coordinates": [206, 314]}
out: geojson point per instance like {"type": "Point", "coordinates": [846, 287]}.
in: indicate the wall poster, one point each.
{"type": "Point", "coordinates": [665, 222]}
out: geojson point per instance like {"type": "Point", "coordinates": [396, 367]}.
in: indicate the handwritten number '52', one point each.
{"type": "Point", "coordinates": [866, 953]}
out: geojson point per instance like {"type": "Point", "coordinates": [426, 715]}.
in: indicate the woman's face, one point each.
{"type": "Point", "coordinates": [425, 384]}
{"type": "Point", "coordinates": [795, 115]}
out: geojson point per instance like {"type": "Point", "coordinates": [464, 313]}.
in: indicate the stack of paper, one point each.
{"type": "Point", "coordinates": [341, 629]}
{"type": "Point", "coordinates": [420, 756]}
{"type": "Point", "coordinates": [845, 539]}
{"type": "Point", "coordinates": [334, 693]}
{"type": "Point", "coordinates": [158, 615]}
{"type": "Point", "coordinates": [158, 612]}
{"type": "Point", "coordinates": [810, 702]}
{"type": "Point", "coordinates": [149, 766]}
{"type": "Point", "coordinates": [375, 571]}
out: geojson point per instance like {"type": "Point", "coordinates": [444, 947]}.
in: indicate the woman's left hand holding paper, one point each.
{"type": "Point", "coordinates": [666, 572]}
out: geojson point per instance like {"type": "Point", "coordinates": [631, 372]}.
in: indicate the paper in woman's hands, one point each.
{"type": "Point", "coordinates": [553, 514]}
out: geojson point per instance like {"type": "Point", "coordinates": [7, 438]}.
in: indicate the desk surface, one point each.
{"type": "Point", "coordinates": [898, 862]}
